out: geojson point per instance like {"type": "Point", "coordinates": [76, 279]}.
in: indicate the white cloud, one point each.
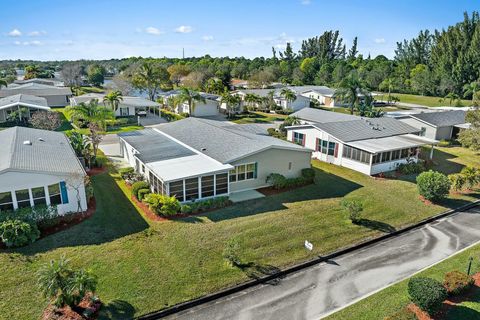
{"type": "Point", "coordinates": [17, 43]}
{"type": "Point", "coordinates": [154, 31]}
{"type": "Point", "coordinates": [306, 2]}
{"type": "Point", "coordinates": [37, 33]}
{"type": "Point", "coordinates": [15, 33]}
{"type": "Point", "coordinates": [28, 43]}
{"type": "Point", "coordinates": [184, 29]}
{"type": "Point", "coordinates": [207, 38]}
{"type": "Point", "coordinates": [379, 40]}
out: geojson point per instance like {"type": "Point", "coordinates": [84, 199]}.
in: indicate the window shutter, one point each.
{"type": "Point", "coordinates": [335, 153]}
{"type": "Point", "coordinates": [317, 144]}
{"type": "Point", "coordinates": [303, 139]}
{"type": "Point", "coordinates": [63, 191]}
{"type": "Point", "coordinates": [255, 171]}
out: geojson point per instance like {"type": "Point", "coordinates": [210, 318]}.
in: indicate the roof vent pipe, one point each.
{"type": "Point", "coordinates": [27, 142]}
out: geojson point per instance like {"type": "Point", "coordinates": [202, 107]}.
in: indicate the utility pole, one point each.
{"type": "Point", "coordinates": [183, 53]}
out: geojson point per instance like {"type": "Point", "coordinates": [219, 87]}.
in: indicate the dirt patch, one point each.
{"type": "Point", "coordinates": [95, 171]}
{"type": "Point", "coordinates": [269, 191]}
{"type": "Point", "coordinates": [67, 313]}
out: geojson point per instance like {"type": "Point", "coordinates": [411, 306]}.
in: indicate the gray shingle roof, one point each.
{"type": "Point", "coordinates": [51, 154]}
{"type": "Point", "coordinates": [154, 146]}
{"type": "Point", "coordinates": [20, 99]}
{"type": "Point", "coordinates": [128, 101]}
{"type": "Point", "coordinates": [221, 142]}
{"type": "Point", "coordinates": [326, 91]}
{"type": "Point", "coordinates": [368, 128]}
{"type": "Point", "coordinates": [323, 116]}
{"type": "Point", "coordinates": [36, 89]}
{"type": "Point", "coordinates": [442, 118]}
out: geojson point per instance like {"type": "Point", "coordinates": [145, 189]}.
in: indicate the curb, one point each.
{"type": "Point", "coordinates": [246, 285]}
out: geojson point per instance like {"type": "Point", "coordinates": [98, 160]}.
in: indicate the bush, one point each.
{"type": "Point", "coordinates": [101, 161]}
{"type": "Point", "coordinates": [411, 167]}
{"type": "Point", "coordinates": [428, 294]}
{"type": "Point", "coordinates": [277, 180]}
{"type": "Point", "coordinates": [308, 174]}
{"type": "Point", "coordinates": [142, 193]}
{"type": "Point", "coordinates": [404, 314]}
{"type": "Point", "coordinates": [170, 116]}
{"type": "Point", "coordinates": [126, 173]}
{"type": "Point", "coordinates": [38, 214]}
{"type": "Point", "coordinates": [444, 143]}
{"type": "Point", "coordinates": [214, 203]}
{"type": "Point", "coordinates": [354, 209]}
{"type": "Point", "coordinates": [18, 233]}
{"type": "Point", "coordinates": [89, 189]}
{"type": "Point", "coordinates": [137, 186]}
{"type": "Point", "coordinates": [162, 205]}
{"type": "Point", "coordinates": [457, 181]}
{"type": "Point", "coordinates": [456, 282]}
{"type": "Point", "coordinates": [185, 209]}
{"type": "Point", "coordinates": [231, 252]}
{"type": "Point", "coordinates": [276, 134]}
{"type": "Point", "coordinates": [433, 185]}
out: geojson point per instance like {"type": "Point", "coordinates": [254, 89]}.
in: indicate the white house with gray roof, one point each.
{"type": "Point", "coordinates": [56, 96]}
{"type": "Point", "coordinates": [198, 158]}
{"type": "Point", "coordinates": [39, 167]}
{"type": "Point", "coordinates": [21, 101]}
{"type": "Point", "coordinates": [440, 125]}
{"type": "Point", "coordinates": [209, 108]}
{"type": "Point", "coordinates": [367, 145]}
{"type": "Point", "coordinates": [300, 101]}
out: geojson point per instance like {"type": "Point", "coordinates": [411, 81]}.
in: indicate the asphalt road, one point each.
{"type": "Point", "coordinates": [327, 287]}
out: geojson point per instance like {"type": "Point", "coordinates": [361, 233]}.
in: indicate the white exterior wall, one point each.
{"type": "Point", "coordinates": [208, 109]}
{"type": "Point", "coordinates": [430, 131]}
{"type": "Point", "coordinates": [272, 161]}
{"type": "Point", "coordinates": [299, 103]}
{"type": "Point", "coordinates": [127, 152]}
{"type": "Point", "coordinates": [131, 111]}
{"type": "Point", "coordinates": [320, 98]}
{"type": "Point", "coordinates": [57, 101]}
{"type": "Point", "coordinates": [12, 181]}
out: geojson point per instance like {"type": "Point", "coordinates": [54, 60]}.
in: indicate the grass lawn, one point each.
{"type": "Point", "coordinates": [453, 159]}
{"type": "Point", "coordinates": [347, 110]}
{"type": "Point", "coordinates": [144, 266]}
{"type": "Point", "coordinates": [258, 117]}
{"type": "Point", "coordinates": [422, 100]}
{"type": "Point", "coordinates": [392, 299]}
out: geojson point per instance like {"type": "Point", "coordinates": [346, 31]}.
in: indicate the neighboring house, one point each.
{"type": "Point", "coordinates": [312, 115]}
{"type": "Point", "coordinates": [128, 106]}
{"type": "Point", "coordinates": [50, 82]}
{"type": "Point", "coordinates": [55, 96]}
{"type": "Point", "coordinates": [367, 145]}
{"type": "Point", "coordinates": [199, 158]}
{"type": "Point", "coordinates": [16, 102]}
{"type": "Point", "coordinates": [39, 167]}
{"type": "Point", "coordinates": [299, 103]}
{"type": "Point", "coordinates": [441, 125]}
{"type": "Point", "coordinates": [322, 94]}
{"type": "Point", "coordinates": [208, 109]}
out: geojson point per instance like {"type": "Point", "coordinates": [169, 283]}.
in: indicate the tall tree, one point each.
{"type": "Point", "coordinates": [352, 53]}
{"type": "Point", "coordinates": [231, 102]}
{"type": "Point", "coordinates": [350, 90]}
{"type": "Point", "coordinates": [113, 99]}
{"type": "Point", "coordinates": [288, 95]}
{"type": "Point", "coordinates": [150, 77]}
{"type": "Point", "coordinates": [191, 97]}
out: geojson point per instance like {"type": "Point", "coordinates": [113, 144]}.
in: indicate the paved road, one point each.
{"type": "Point", "coordinates": [317, 291]}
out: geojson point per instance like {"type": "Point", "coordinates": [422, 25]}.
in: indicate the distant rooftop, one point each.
{"type": "Point", "coordinates": [126, 100]}
{"type": "Point", "coordinates": [24, 100]}
{"type": "Point", "coordinates": [442, 118]}
{"type": "Point", "coordinates": [35, 89]}
{"type": "Point", "coordinates": [322, 116]}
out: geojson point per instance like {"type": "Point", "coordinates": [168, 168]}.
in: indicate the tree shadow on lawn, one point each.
{"type": "Point", "coordinates": [443, 162]}
{"type": "Point", "coordinates": [117, 309]}
{"type": "Point", "coordinates": [327, 186]}
{"type": "Point", "coordinates": [456, 203]}
{"type": "Point", "coordinates": [257, 271]}
{"type": "Point", "coordinates": [376, 225]}
{"type": "Point", "coordinates": [115, 217]}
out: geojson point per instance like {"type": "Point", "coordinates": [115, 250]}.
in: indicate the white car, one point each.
{"type": "Point", "coordinates": [142, 113]}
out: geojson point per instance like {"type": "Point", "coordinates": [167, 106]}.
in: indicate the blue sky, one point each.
{"type": "Point", "coordinates": [103, 29]}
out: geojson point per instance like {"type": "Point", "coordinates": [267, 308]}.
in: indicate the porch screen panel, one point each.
{"type": "Point", "coordinates": [208, 186]}
{"type": "Point", "coordinates": [221, 183]}
{"type": "Point", "coordinates": [191, 189]}
{"type": "Point", "coordinates": [176, 189]}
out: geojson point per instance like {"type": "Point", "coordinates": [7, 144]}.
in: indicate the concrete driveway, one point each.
{"type": "Point", "coordinates": [110, 145]}
{"type": "Point", "coordinates": [318, 291]}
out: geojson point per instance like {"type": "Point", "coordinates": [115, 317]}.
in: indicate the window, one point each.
{"type": "Point", "coordinates": [23, 198]}
{"type": "Point", "coordinates": [208, 186]}
{"type": "Point", "coordinates": [6, 201]}
{"type": "Point", "coordinates": [240, 172]}
{"type": "Point", "coordinates": [243, 172]}
{"type": "Point", "coordinates": [386, 156]}
{"type": "Point", "coordinates": [331, 148]}
{"type": "Point", "coordinates": [221, 181]}
{"type": "Point", "coordinates": [176, 189]}
{"type": "Point", "coordinates": [289, 166]}
{"type": "Point", "coordinates": [324, 146]}
{"type": "Point", "coordinates": [250, 170]}
{"type": "Point", "coordinates": [54, 193]}
{"type": "Point", "coordinates": [191, 189]}
{"type": "Point", "coordinates": [233, 175]}
{"type": "Point", "coordinates": [39, 196]}
{"type": "Point", "coordinates": [299, 138]}
{"type": "Point", "coordinates": [395, 155]}
{"type": "Point", "coordinates": [423, 130]}
{"type": "Point", "coordinates": [357, 154]}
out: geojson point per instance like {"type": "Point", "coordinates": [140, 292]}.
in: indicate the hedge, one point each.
{"type": "Point", "coordinates": [428, 294]}
{"type": "Point", "coordinates": [456, 282]}
{"type": "Point", "coordinates": [137, 186]}
{"type": "Point", "coordinates": [142, 193]}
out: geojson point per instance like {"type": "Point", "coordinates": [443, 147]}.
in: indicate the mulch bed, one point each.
{"type": "Point", "coordinates": [268, 191]}
{"type": "Point", "coordinates": [95, 171]}
{"type": "Point", "coordinates": [448, 304]}
{"type": "Point", "coordinates": [67, 313]}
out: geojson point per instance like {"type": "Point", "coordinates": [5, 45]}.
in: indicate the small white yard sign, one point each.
{"type": "Point", "coordinates": [308, 245]}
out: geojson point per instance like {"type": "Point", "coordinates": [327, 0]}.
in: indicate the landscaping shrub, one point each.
{"type": "Point", "coordinates": [457, 181]}
{"type": "Point", "coordinates": [101, 161]}
{"type": "Point", "coordinates": [277, 181]}
{"type": "Point", "coordinates": [231, 252]}
{"type": "Point", "coordinates": [433, 185]}
{"type": "Point", "coordinates": [126, 173]}
{"type": "Point", "coordinates": [444, 143]}
{"type": "Point", "coordinates": [162, 205]}
{"type": "Point", "coordinates": [170, 116]}
{"type": "Point", "coordinates": [142, 193]}
{"type": "Point", "coordinates": [411, 167]}
{"type": "Point", "coordinates": [471, 176]}
{"type": "Point", "coordinates": [428, 294]}
{"type": "Point", "coordinates": [404, 314]}
{"type": "Point", "coordinates": [308, 174]}
{"type": "Point", "coordinates": [456, 282]}
{"type": "Point", "coordinates": [354, 209]}
{"type": "Point", "coordinates": [185, 209]}
{"type": "Point", "coordinates": [18, 233]}
{"type": "Point", "coordinates": [214, 203]}
{"type": "Point", "coordinates": [276, 134]}
{"type": "Point", "coordinates": [139, 185]}
{"type": "Point", "coordinates": [38, 214]}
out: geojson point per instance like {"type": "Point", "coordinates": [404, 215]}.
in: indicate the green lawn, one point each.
{"type": "Point", "coordinates": [453, 159]}
{"type": "Point", "coordinates": [258, 117]}
{"type": "Point", "coordinates": [422, 100]}
{"type": "Point", "coordinates": [144, 266]}
{"type": "Point", "coordinates": [347, 110]}
{"type": "Point", "coordinates": [392, 299]}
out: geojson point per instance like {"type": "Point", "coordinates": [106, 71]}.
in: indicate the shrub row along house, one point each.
{"type": "Point", "coordinates": [199, 158]}
{"type": "Point", "coordinates": [39, 167]}
{"type": "Point", "coordinates": [367, 145]}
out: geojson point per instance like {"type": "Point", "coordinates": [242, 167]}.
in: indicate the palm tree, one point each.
{"type": "Point", "coordinates": [231, 102]}
{"type": "Point", "coordinates": [471, 89]}
{"type": "Point", "coordinates": [113, 98]}
{"type": "Point", "coordinates": [251, 99]}
{"type": "Point", "coordinates": [91, 112]}
{"type": "Point", "coordinates": [3, 83]}
{"type": "Point", "coordinates": [191, 97]}
{"type": "Point", "coordinates": [288, 95]}
{"type": "Point", "coordinates": [388, 84]}
{"type": "Point", "coordinates": [451, 97]}
{"type": "Point", "coordinates": [350, 89]}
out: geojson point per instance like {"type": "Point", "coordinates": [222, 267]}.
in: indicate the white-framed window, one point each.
{"type": "Point", "coordinates": [23, 198]}
{"type": "Point", "coordinates": [243, 172]}
{"type": "Point", "coordinates": [55, 194]}
{"type": "Point", "coordinates": [299, 138]}
{"type": "Point", "coordinates": [39, 196]}
{"type": "Point", "coordinates": [6, 201]}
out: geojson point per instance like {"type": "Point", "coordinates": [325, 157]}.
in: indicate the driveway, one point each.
{"type": "Point", "coordinates": [320, 290]}
{"type": "Point", "coordinates": [110, 145]}
{"type": "Point", "coordinates": [151, 120]}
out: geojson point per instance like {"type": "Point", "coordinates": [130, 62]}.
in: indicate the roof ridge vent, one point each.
{"type": "Point", "coordinates": [41, 139]}
{"type": "Point", "coordinates": [27, 142]}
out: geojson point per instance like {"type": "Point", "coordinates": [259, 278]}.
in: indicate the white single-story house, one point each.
{"type": "Point", "coordinates": [208, 109]}
{"type": "Point", "coordinates": [322, 94]}
{"type": "Point", "coordinates": [16, 102]}
{"type": "Point", "coordinates": [367, 145]}
{"type": "Point", "coordinates": [39, 167]}
{"type": "Point", "coordinates": [299, 103]}
{"type": "Point", "coordinates": [198, 158]}
{"type": "Point", "coordinates": [47, 81]}
{"type": "Point", "coordinates": [440, 125]}
{"type": "Point", "coordinates": [128, 106]}
{"type": "Point", "coordinates": [56, 96]}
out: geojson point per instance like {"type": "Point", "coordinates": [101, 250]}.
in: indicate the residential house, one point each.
{"type": "Point", "coordinates": [209, 108]}
{"type": "Point", "coordinates": [440, 125]}
{"type": "Point", "coordinates": [199, 158]}
{"type": "Point", "coordinates": [19, 101]}
{"type": "Point", "coordinates": [39, 167]}
{"type": "Point", "coordinates": [324, 95]}
{"type": "Point", "coordinates": [55, 96]}
{"type": "Point", "coordinates": [128, 106]}
{"type": "Point", "coordinates": [299, 103]}
{"type": "Point", "coordinates": [367, 145]}
{"type": "Point", "coordinates": [49, 81]}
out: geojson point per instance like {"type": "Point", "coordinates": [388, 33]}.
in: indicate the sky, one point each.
{"type": "Point", "coordinates": [104, 29]}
